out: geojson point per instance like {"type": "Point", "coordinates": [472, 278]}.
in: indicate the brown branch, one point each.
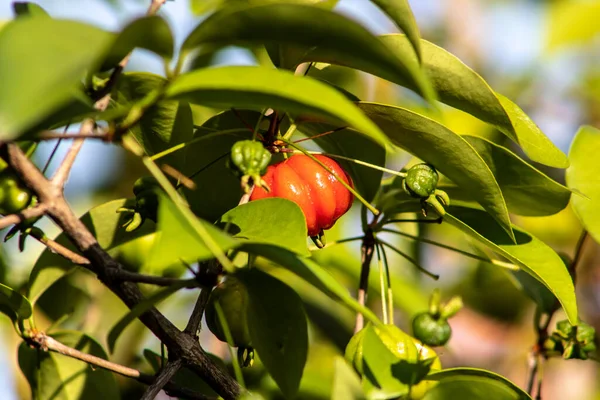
{"type": "Point", "coordinates": [193, 325]}
{"type": "Point", "coordinates": [62, 173]}
{"type": "Point", "coordinates": [180, 344]}
{"type": "Point", "coordinates": [366, 251]}
{"type": "Point", "coordinates": [14, 219]}
{"type": "Point", "coordinates": [51, 135]}
{"type": "Point", "coordinates": [128, 276]}
{"type": "Point", "coordinates": [46, 343]}
{"type": "Point", "coordinates": [164, 376]}
{"type": "Point", "coordinates": [61, 250]}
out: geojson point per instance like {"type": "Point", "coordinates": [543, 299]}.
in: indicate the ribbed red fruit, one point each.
{"type": "Point", "coordinates": [322, 198]}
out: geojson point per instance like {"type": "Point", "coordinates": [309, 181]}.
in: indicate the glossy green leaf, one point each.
{"type": "Point", "coordinates": [473, 384]}
{"type": "Point", "coordinates": [164, 125]}
{"type": "Point", "coordinates": [48, 59]}
{"type": "Point", "coordinates": [459, 86]}
{"type": "Point", "coordinates": [105, 224]}
{"type": "Point", "coordinates": [310, 272]}
{"type": "Point", "coordinates": [53, 376]}
{"type": "Point", "coordinates": [380, 379]}
{"type": "Point", "coordinates": [258, 88]}
{"type": "Point", "coordinates": [181, 238]}
{"type": "Point", "coordinates": [274, 220]}
{"type": "Point", "coordinates": [582, 176]}
{"type": "Point", "coordinates": [543, 298]}
{"type": "Point", "coordinates": [452, 155]}
{"type": "Point", "coordinates": [351, 144]}
{"type": "Point", "coordinates": [28, 9]}
{"type": "Point", "coordinates": [304, 27]}
{"type": "Point", "coordinates": [346, 383]}
{"type": "Point", "coordinates": [150, 33]}
{"type": "Point", "coordinates": [217, 188]}
{"type": "Point", "coordinates": [529, 253]}
{"type": "Point", "coordinates": [399, 11]}
{"type": "Point", "coordinates": [138, 310]}
{"type": "Point", "coordinates": [527, 191]}
{"type": "Point", "coordinates": [278, 328]}
{"type": "Point", "coordinates": [19, 306]}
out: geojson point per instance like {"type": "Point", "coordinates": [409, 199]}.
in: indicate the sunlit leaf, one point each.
{"type": "Point", "coordinates": [258, 88]}
{"type": "Point", "coordinates": [105, 224]}
{"type": "Point", "coordinates": [582, 176]}
{"type": "Point", "coordinates": [452, 155]}
{"type": "Point", "coordinates": [529, 253]}
{"type": "Point", "coordinates": [399, 11]}
{"type": "Point", "coordinates": [473, 384]}
{"type": "Point", "coordinates": [571, 23]}
{"type": "Point", "coordinates": [527, 191]}
{"type": "Point", "coordinates": [48, 59]}
{"type": "Point", "coordinates": [303, 27]}
{"type": "Point", "coordinates": [273, 220]}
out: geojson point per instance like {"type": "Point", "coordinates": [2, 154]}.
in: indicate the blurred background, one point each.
{"type": "Point", "coordinates": [544, 55]}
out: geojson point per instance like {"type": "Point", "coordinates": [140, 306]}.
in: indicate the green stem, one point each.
{"type": "Point", "coordinates": [382, 286]}
{"type": "Point", "coordinates": [227, 332]}
{"type": "Point", "coordinates": [187, 213]}
{"type": "Point", "coordinates": [193, 141]}
{"type": "Point", "coordinates": [444, 246]}
{"type": "Point", "coordinates": [390, 296]}
{"type": "Point", "coordinates": [409, 258]}
{"type": "Point", "coordinates": [354, 192]}
{"type": "Point", "coordinates": [257, 126]}
{"type": "Point", "coordinates": [363, 163]}
{"type": "Point", "coordinates": [286, 137]}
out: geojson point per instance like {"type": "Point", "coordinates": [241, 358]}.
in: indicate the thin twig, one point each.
{"type": "Point", "coordinates": [61, 250]}
{"type": "Point", "coordinates": [164, 376]}
{"type": "Point", "coordinates": [193, 325]}
{"type": "Point", "coordinates": [62, 173]}
{"type": "Point", "coordinates": [26, 214]}
{"type": "Point", "coordinates": [51, 135]}
{"type": "Point", "coordinates": [128, 276]}
{"type": "Point", "coordinates": [46, 343]}
{"type": "Point", "coordinates": [410, 259]}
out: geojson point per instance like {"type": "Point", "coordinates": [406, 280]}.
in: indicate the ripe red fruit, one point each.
{"type": "Point", "coordinates": [322, 198]}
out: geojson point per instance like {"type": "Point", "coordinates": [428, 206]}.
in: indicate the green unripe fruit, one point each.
{"type": "Point", "coordinates": [250, 157]}
{"type": "Point", "coordinates": [421, 181]}
{"type": "Point", "coordinates": [232, 297]}
{"type": "Point", "coordinates": [431, 331]}
{"type": "Point", "coordinates": [14, 197]}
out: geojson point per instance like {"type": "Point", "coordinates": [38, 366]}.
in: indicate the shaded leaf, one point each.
{"type": "Point", "coordinates": [529, 253]}
{"type": "Point", "coordinates": [582, 176]}
{"type": "Point", "coordinates": [399, 11]}
{"type": "Point", "coordinates": [278, 328]}
{"type": "Point", "coordinates": [304, 27]}
{"type": "Point", "coordinates": [527, 191]}
{"type": "Point", "coordinates": [48, 59]}
{"type": "Point", "coordinates": [138, 310]}
{"type": "Point", "coordinates": [258, 88]}
{"type": "Point", "coordinates": [150, 33]}
{"type": "Point", "coordinates": [273, 220]}
{"type": "Point", "coordinates": [346, 383]}
{"type": "Point", "coordinates": [310, 272]}
{"type": "Point", "coordinates": [473, 384]}
{"type": "Point", "coordinates": [53, 376]}
{"type": "Point", "coordinates": [183, 238]}
{"type": "Point", "coordinates": [459, 86]}
{"type": "Point", "coordinates": [162, 126]}
{"type": "Point", "coordinates": [452, 155]}
{"type": "Point", "coordinates": [105, 224]}
{"type": "Point", "coordinates": [217, 188]}
{"type": "Point", "coordinates": [19, 306]}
